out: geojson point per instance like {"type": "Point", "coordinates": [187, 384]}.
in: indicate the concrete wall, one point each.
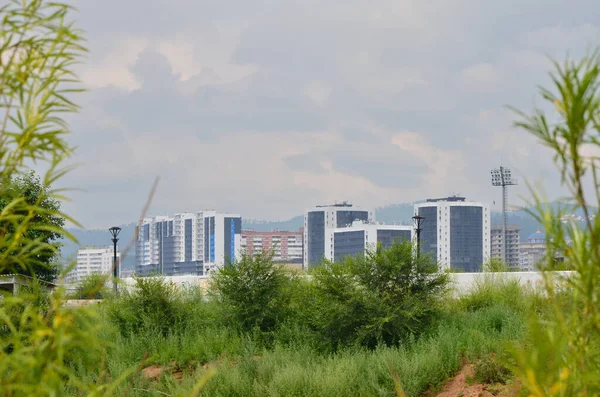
{"type": "Point", "coordinates": [463, 282]}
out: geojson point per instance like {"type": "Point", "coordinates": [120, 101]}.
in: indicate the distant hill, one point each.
{"type": "Point", "coordinates": [392, 214]}
{"type": "Point", "coordinates": [266, 226]}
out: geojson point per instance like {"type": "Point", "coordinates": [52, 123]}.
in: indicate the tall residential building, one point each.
{"type": "Point", "coordinates": [92, 260]}
{"type": "Point", "coordinates": [286, 246]}
{"type": "Point", "coordinates": [319, 223]}
{"type": "Point", "coordinates": [533, 251]}
{"type": "Point", "coordinates": [455, 232]}
{"type": "Point", "coordinates": [360, 237]}
{"type": "Point", "coordinates": [187, 243]}
{"type": "Point", "coordinates": [513, 239]}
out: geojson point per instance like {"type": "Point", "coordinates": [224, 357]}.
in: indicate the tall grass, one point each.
{"type": "Point", "coordinates": [485, 321]}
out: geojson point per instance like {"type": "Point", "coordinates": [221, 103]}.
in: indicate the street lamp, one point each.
{"type": "Point", "coordinates": [114, 232]}
{"type": "Point", "coordinates": [418, 221]}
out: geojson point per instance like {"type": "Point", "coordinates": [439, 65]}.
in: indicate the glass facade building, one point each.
{"type": "Point", "coordinates": [455, 232]}
{"type": "Point", "coordinates": [188, 243]}
{"type": "Point", "coordinates": [319, 224]}
{"type": "Point", "coordinates": [360, 237]}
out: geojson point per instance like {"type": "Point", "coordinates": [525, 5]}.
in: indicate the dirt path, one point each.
{"type": "Point", "coordinates": [463, 385]}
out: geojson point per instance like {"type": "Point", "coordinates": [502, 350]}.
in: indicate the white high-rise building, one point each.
{"type": "Point", "coordinates": [319, 223]}
{"type": "Point", "coordinates": [92, 260]}
{"type": "Point", "coordinates": [362, 236]}
{"type": "Point", "coordinates": [455, 232]}
{"type": "Point", "coordinates": [187, 243]}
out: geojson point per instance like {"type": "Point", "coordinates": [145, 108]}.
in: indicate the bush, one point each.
{"type": "Point", "coordinates": [489, 370]}
{"type": "Point", "coordinates": [254, 292]}
{"type": "Point", "coordinates": [153, 306]}
{"type": "Point", "coordinates": [92, 287]}
{"type": "Point", "coordinates": [381, 297]}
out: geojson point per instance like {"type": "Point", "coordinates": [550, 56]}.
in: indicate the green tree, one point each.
{"type": "Point", "coordinates": [565, 358]}
{"type": "Point", "coordinates": [44, 226]}
{"type": "Point", "coordinates": [378, 298]}
{"type": "Point", "coordinates": [254, 292]}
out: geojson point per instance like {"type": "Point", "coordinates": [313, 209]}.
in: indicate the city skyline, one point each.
{"type": "Point", "coordinates": [393, 102]}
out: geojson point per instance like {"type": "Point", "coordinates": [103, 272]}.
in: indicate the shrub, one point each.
{"type": "Point", "coordinates": [490, 370]}
{"type": "Point", "coordinates": [254, 292]}
{"type": "Point", "coordinates": [152, 306]}
{"type": "Point", "coordinates": [92, 287]}
{"type": "Point", "coordinates": [380, 297]}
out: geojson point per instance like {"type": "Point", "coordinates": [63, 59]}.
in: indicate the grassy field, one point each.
{"type": "Point", "coordinates": [486, 323]}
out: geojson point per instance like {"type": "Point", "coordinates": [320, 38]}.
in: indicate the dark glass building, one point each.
{"type": "Point", "coordinates": [319, 224]}
{"type": "Point", "coordinates": [455, 232]}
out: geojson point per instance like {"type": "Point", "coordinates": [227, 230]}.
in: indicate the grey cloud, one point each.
{"type": "Point", "coordinates": [386, 166]}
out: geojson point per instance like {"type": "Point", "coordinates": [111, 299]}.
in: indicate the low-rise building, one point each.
{"type": "Point", "coordinates": [286, 246]}
{"type": "Point", "coordinates": [362, 236]}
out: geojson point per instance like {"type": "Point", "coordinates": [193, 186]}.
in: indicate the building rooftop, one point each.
{"type": "Point", "coordinates": [450, 198]}
{"type": "Point", "coordinates": [342, 204]}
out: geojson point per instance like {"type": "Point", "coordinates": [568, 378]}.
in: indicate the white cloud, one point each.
{"type": "Point", "coordinates": [266, 109]}
{"type": "Point", "coordinates": [114, 69]}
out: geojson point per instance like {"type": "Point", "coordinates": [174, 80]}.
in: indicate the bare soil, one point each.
{"type": "Point", "coordinates": [464, 385]}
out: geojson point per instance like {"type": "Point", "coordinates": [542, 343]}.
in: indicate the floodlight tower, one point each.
{"type": "Point", "coordinates": [502, 177]}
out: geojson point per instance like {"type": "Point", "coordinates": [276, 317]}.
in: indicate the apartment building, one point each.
{"type": "Point", "coordinates": [92, 260]}
{"type": "Point", "coordinates": [455, 232]}
{"type": "Point", "coordinates": [286, 246]}
{"type": "Point", "coordinates": [512, 251]}
{"type": "Point", "coordinates": [319, 223]}
{"type": "Point", "coordinates": [360, 237]}
{"type": "Point", "coordinates": [187, 243]}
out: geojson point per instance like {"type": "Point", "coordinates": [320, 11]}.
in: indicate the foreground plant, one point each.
{"type": "Point", "coordinates": [565, 359]}
{"type": "Point", "coordinates": [44, 345]}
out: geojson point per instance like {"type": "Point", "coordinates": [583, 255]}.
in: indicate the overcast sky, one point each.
{"type": "Point", "coordinates": [266, 108]}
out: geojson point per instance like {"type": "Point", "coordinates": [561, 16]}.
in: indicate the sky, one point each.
{"type": "Point", "coordinates": [267, 108]}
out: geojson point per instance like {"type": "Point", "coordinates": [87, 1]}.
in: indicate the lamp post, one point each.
{"type": "Point", "coordinates": [114, 232]}
{"type": "Point", "coordinates": [418, 221]}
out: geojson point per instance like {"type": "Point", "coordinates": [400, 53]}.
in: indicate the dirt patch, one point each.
{"type": "Point", "coordinates": [152, 372]}
{"type": "Point", "coordinates": [463, 385]}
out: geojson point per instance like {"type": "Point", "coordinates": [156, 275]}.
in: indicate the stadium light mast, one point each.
{"type": "Point", "coordinates": [502, 177]}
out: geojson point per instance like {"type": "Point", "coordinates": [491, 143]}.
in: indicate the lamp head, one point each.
{"type": "Point", "coordinates": [114, 231]}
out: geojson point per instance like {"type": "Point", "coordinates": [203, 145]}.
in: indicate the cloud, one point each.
{"type": "Point", "coordinates": [267, 108]}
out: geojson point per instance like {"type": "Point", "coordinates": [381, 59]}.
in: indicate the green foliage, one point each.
{"type": "Point", "coordinates": [254, 292]}
{"type": "Point", "coordinates": [43, 348]}
{"type": "Point", "coordinates": [497, 289]}
{"type": "Point", "coordinates": [244, 368]}
{"type": "Point", "coordinates": [490, 370]}
{"type": "Point", "coordinates": [565, 359]}
{"type": "Point", "coordinates": [494, 265]}
{"type": "Point", "coordinates": [92, 287]}
{"type": "Point", "coordinates": [379, 298]}
{"type": "Point", "coordinates": [45, 345]}
{"type": "Point", "coordinates": [153, 305]}
{"type": "Point", "coordinates": [45, 226]}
